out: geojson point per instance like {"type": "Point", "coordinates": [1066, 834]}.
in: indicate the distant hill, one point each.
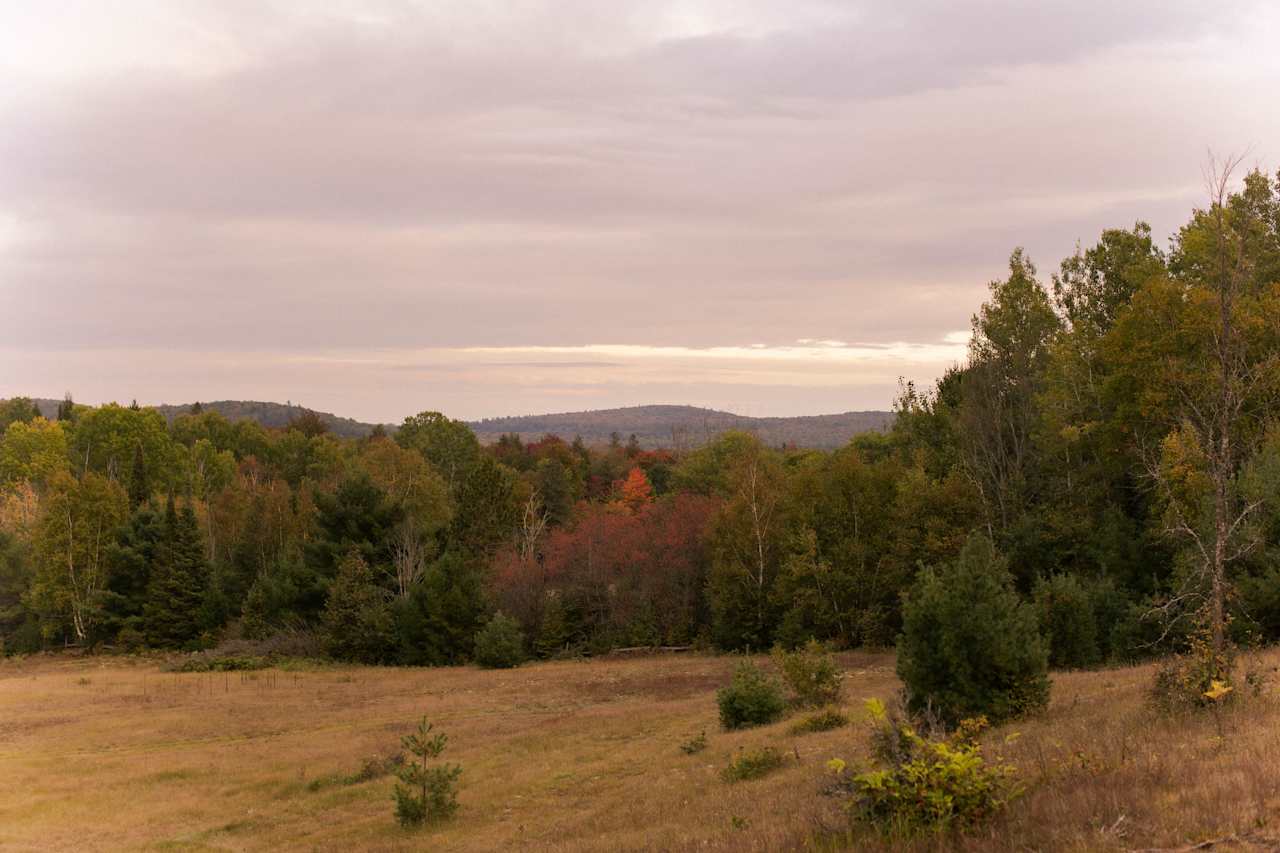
{"type": "Point", "coordinates": [679, 427]}
{"type": "Point", "coordinates": [267, 414]}
{"type": "Point", "coordinates": [684, 426]}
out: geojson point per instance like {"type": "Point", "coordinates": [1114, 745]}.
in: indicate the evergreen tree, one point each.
{"type": "Point", "coordinates": [139, 486]}
{"type": "Point", "coordinates": [357, 616]}
{"type": "Point", "coordinates": [67, 408]}
{"type": "Point", "coordinates": [970, 646]}
{"type": "Point", "coordinates": [179, 577]}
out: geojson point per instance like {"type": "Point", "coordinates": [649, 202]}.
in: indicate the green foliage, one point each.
{"type": "Point", "coordinates": [823, 721]}
{"type": "Point", "coordinates": [177, 582]}
{"type": "Point", "coordinates": [357, 617]}
{"type": "Point", "coordinates": [694, 745]}
{"type": "Point", "coordinates": [357, 515]}
{"type": "Point", "coordinates": [426, 792]}
{"type": "Point", "coordinates": [500, 643]}
{"type": "Point", "coordinates": [811, 673]}
{"type": "Point", "coordinates": [752, 698]}
{"type": "Point", "coordinates": [222, 663]}
{"type": "Point", "coordinates": [1195, 678]}
{"type": "Point", "coordinates": [436, 623]}
{"type": "Point", "coordinates": [752, 764]}
{"type": "Point", "coordinates": [1065, 610]}
{"type": "Point", "coordinates": [929, 784]}
{"type": "Point", "coordinates": [969, 645]}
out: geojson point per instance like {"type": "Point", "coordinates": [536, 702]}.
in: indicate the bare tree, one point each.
{"type": "Point", "coordinates": [533, 525]}
{"type": "Point", "coordinates": [410, 552]}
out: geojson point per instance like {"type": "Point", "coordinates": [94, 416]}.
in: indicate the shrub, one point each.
{"type": "Point", "coordinates": [694, 745]}
{"type": "Point", "coordinates": [1196, 678]}
{"type": "Point", "coordinates": [751, 699]}
{"type": "Point", "coordinates": [225, 663]}
{"type": "Point", "coordinates": [824, 721]}
{"type": "Point", "coordinates": [970, 646]}
{"type": "Point", "coordinates": [811, 673]}
{"type": "Point", "coordinates": [425, 793]}
{"type": "Point", "coordinates": [752, 765]}
{"type": "Point", "coordinates": [1065, 611]}
{"type": "Point", "coordinates": [500, 643]}
{"type": "Point", "coordinates": [928, 784]}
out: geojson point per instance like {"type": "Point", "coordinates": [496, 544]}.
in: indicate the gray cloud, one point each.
{"type": "Point", "coordinates": [254, 178]}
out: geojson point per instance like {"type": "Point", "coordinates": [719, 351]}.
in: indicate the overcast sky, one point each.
{"type": "Point", "coordinates": [493, 208]}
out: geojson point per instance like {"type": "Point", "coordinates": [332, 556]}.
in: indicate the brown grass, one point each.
{"type": "Point", "coordinates": [567, 756]}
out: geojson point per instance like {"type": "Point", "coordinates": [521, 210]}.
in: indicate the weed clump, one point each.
{"type": "Point", "coordinates": [694, 745]}
{"type": "Point", "coordinates": [752, 764]}
{"type": "Point", "coordinates": [426, 792]}
{"type": "Point", "coordinates": [823, 721]}
{"type": "Point", "coordinates": [752, 698]}
{"type": "Point", "coordinates": [811, 673]}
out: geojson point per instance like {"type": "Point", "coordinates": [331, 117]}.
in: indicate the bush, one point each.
{"type": "Point", "coordinates": [500, 643]}
{"type": "Point", "coordinates": [426, 793]}
{"type": "Point", "coordinates": [821, 722]}
{"type": "Point", "coordinates": [694, 745]}
{"type": "Point", "coordinates": [225, 663]}
{"type": "Point", "coordinates": [970, 646]}
{"type": "Point", "coordinates": [928, 784]}
{"type": "Point", "coordinates": [811, 673]}
{"type": "Point", "coordinates": [1196, 678]}
{"type": "Point", "coordinates": [752, 765]}
{"type": "Point", "coordinates": [751, 699]}
{"type": "Point", "coordinates": [1065, 611]}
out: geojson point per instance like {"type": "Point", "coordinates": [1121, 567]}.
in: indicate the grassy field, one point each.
{"type": "Point", "coordinates": [107, 754]}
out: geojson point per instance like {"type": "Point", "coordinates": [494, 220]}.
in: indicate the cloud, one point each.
{"type": "Point", "coordinates": [681, 177]}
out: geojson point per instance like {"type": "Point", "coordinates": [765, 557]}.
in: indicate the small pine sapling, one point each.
{"type": "Point", "coordinates": [426, 792]}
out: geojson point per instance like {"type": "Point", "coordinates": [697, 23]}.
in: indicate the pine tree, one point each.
{"type": "Point", "coordinates": [139, 486]}
{"type": "Point", "coordinates": [970, 646]}
{"type": "Point", "coordinates": [428, 793]}
{"type": "Point", "coordinates": [67, 408]}
{"type": "Point", "coordinates": [179, 576]}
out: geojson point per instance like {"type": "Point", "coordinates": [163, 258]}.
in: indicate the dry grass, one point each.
{"type": "Point", "coordinates": [104, 754]}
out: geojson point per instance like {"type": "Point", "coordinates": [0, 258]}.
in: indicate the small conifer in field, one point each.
{"type": "Point", "coordinates": [426, 792]}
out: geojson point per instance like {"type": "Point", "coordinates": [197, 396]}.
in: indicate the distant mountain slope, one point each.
{"type": "Point", "coordinates": [680, 427]}
{"type": "Point", "coordinates": [684, 426]}
{"type": "Point", "coordinates": [267, 414]}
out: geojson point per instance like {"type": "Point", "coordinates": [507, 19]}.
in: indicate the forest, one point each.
{"type": "Point", "coordinates": [1112, 436]}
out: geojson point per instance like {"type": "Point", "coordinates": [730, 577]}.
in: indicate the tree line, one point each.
{"type": "Point", "coordinates": [1111, 439]}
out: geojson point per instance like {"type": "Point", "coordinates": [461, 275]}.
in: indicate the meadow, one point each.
{"type": "Point", "coordinates": [109, 753]}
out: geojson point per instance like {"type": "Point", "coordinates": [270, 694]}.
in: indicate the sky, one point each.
{"type": "Point", "coordinates": [495, 208]}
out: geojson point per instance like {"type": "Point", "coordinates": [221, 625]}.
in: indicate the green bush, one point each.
{"type": "Point", "coordinates": [752, 765]}
{"type": "Point", "coordinates": [811, 673]}
{"type": "Point", "coordinates": [970, 646]}
{"type": "Point", "coordinates": [751, 699]}
{"type": "Point", "coordinates": [823, 721]}
{"type": "Point", "coordinates": [694, 745]}
{"type": "Point", "coordinates": [1065, 611]}
{"type": "Point", "coordinates": [928, 784]}
{"type": "Point", "coordinates": [426, 793]}
{"type": "Point", "coordinates": [1195, 678]}
{"type": "Point", "coordinates": [500, 643]}
{"type": "Point", "coordinates": [223, 663]}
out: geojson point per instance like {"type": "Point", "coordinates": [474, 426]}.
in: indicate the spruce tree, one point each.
{"type": "Point", "coordinates": [179, 576]}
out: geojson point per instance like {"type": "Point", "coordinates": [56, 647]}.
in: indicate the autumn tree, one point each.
{"type": "Point", "coordinates": [77, 524]}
